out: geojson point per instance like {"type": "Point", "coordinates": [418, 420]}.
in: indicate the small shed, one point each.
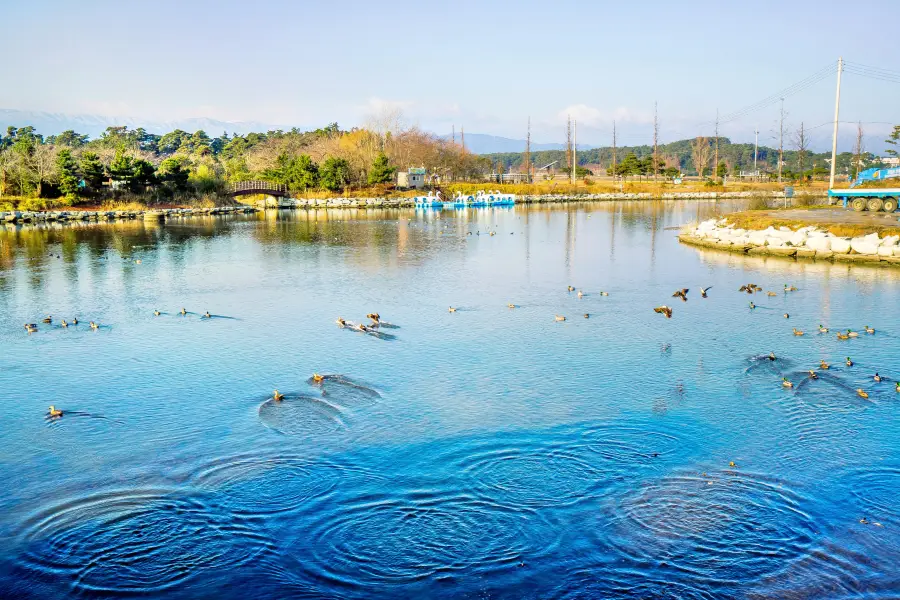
{"type": "Point", "coordinates": [412, 178]}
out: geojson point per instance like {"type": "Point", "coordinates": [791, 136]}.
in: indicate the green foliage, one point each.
{"type": "Point", "coordinates": [143, 175]}
{"type": "Point", "coordinates": [721, 170]}
{"type": "Point", "coordinates": [298, 173]}
{"type": "Point", "coordinates": [334, 174]}
{"type": "Point", "coordinates": [121, 170]}
{"type": "Point", "coordinates": [381, 171]}
{"type": "Point", "coordinates": [173, 174]}
{"type": "Point", "coordinates": [92, 171]}
{"type": "Point", "coordinates": [893, 140]}
{"type": "Point", "coordinates": [67, 171]}
{"type": "Point", "coordinates": [68, 138]}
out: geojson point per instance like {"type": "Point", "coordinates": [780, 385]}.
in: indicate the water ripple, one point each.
{"type": "Point", "coordinates": [725, 527]}
{"type": "Point", "coordinates": [405, 537]}
{"type": "Point", "coordinates": [135, 541]}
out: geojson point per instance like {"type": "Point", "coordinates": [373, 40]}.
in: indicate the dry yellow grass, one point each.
{"type": "Point", "coordinates": [763, 219]}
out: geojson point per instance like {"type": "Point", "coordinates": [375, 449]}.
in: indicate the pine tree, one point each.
{"type": "Point", "coordinates": [381, 171]}
{"type": "Point", "coordinates": [122, 168]}
{"type": "Point", "coordinates": [92, 171]}
{"type": "Point", "coordinates": [69, 179]}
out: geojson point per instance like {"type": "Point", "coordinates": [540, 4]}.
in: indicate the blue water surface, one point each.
{"type": "Point", "coordinates": [489, 452]}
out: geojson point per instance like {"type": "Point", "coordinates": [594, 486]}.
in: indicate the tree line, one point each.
{"type": "Point", "coordinates": [73, 168]}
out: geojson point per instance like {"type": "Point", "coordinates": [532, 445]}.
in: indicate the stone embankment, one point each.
{"type": "Point", "coordinates": [115, 215]}
{"type": "Point", "coordinates": [804, 242]}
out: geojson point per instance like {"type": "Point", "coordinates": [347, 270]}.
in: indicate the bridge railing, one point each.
{"type": "Point", "coordinates": [257, 186]}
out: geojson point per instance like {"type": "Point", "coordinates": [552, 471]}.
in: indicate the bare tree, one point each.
{"type": "Point", "coordinates": [700, 154]}
{"type": "Point", "coordinates": [801, 142]}
{"type": "Point", "coordinates": [858, 159]}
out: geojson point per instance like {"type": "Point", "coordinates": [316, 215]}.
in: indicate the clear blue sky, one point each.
{"type": "Point", "coordinates": [487, 66]}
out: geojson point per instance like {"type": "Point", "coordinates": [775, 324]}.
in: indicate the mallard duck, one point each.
{"type": "Point", "coordinates": [822, 328]}
{"type": "Point", "coordinates": [842, 336]}
{"type": "Point", "coordinates": [341, 322]}
{"type": "Point", "coordinates": [75, 321]}
{"type": "Point", "coordinates": [206, 315]}
{"type": "Point", "coordinates": [752, 305]}
{"type": "Point", "coordinates": [63, 323]}
{"type": "Point", "coordinates": [797, 331]}
{"type": "Point", "coordinates": [183, 312]}
{"type": "Point", "coordinates": [787, 316]}
{"type": "Point", "coordinates": [703, 291]}
{"type": "Point", "coordinates": [277, 396]}
{"type": "Point", "coordinates": [318, 378]}
{"type": "Point", "coordinates": [580, 294]}
{"type": "Point", "coordinates": [849, 362]}
{"type": "Point", "coordinates": [877, 377]}
{"type": "Point", "coordinates": [731, 463]}
{"type": "Point", "coordinates": [772, 356]}
{"type": "Point", "coordinates": [47, 319]}
{"type": "Point", "coordinates": [897, 386]}
{"type": "Point", "coordinates": [786, 383]}
{"type": "Point", "coordinates": [770, 294]}
{"type": "Point", "coordinates": [156, 313]}
{"type": "Point", "coordinates": [869, 329]}
{"type": "Point", "coordinates": [744, 288]}
{"type": "Point", "coordinates": [587, 315]}
{"type": "Point", "coordinates": [95, 325]}
{"type": "Point", "coordinates": [812, 374]}
{"type": "Point", "coordinates": [361, 327]}
{"type": "Point", "coordinates": [604, 293]}
{"type": "Point", "coordinates": [571, 288]}
{"type": "Point", "coordinates": [31, 327]}
{"type": "Point", "coordinates": [560, 318]}
{"type": "Point", "coordinates": [851, 333]}
{"type": "Point", "coordinates": [788, 288]}
{"type": "Point", "coordinates": [375, 317]}
{"type": "Point", "coordinates": [55, 412]}
{"type": "Point", "coordinates": [451, 309]}
{"type": "Point", "coordinates": [682, 293]}
{"type": "Point", "coordinates": [756, 287]}
{"type": "Point", "coordinates": [862, 393]}
{"type": "Point", "coordinates": [664, 310]}
{"type": "Point", "coordinates": [510, 305]}
{"type": "Point", "coordinates": [823, 365]}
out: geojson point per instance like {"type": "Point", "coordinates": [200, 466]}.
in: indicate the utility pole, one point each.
{"type": "Point", "coordinates": [574, 157]}
{"type": "Point", "coordinates": [655, 140]}
{"type": "Point", "coordinates": [462, 133]}
{"type": "Point", "coordinates": [837, 111]}
{"type": "Point", "coordinates": [716, 162]}
{"type": "Point", "coordinates": [569, 142]}
{"type": "Point", "coordinates": [781, 141]}
{"type": "Point", "coordinates": [528, 153]}
{"type": "Point", "coordinates": [454, 134]}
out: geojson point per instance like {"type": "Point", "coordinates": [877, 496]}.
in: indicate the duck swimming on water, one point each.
{"type": "Point", "coordinates": [63, 323]}
{"type": "Point", "coordinates": [277, 396]}
{"type": "Point", "coordinates": [156, 313]}
{"type": "Point", "coordinates": [752, 306]}
{"type": "Point", "coordinates": [877, 377]}
{"type": "Point", "coordinates": [183, 312]}
{"type": "Point", "coordinates": [812, 374]}
{"type": "Point", "coordinates": [862, 393]}
{"type": "Point", "coordinates": [797, 331]}
{"type": "Point", "coordinates": [869, 329]}
{"type": "Point", "coordinates": [560, 318]}
{"type": "Point", "coordinates": [341, 322]}
{"type": "Point", "coordinates": [318, 378]}
{"type": "Point", "coordinates": [31, 327]}
{"type": "Point", "coordinates": [55, 413]}
{"type": "Point", "coordinates": [206, 315]}
{"type": "Point", "coordinates": [823, 365]}
{"type": "Point", "coordinates": [664, 310]}
{"type": "Point", "coordinates": [47, 319]}
{"type": "Point", "coordinates": [451, 309]}
{"type": "Point", "coordinates": [75, 321]}
{"type": "Point", "coordinates": [849, 362]}
{"type": "Point", "coordinates": [786, 383]}
{"type": "Point", "coordinates": [95, 325]}
{"type": "Point", "coordinates": [822, 328]}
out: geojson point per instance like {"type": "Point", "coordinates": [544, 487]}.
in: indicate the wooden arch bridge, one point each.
{"type": "Point", "coordinates": [266, 188]}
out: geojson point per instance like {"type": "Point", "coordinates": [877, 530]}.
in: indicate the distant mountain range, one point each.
{"type": "Point", "coordinates": [93, 125]}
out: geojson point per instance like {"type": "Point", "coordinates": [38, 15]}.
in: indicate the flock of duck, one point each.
{"type": "Point", "coordinates": [53, 412]}
{"type": "Point", "coordinates": [752, 288]}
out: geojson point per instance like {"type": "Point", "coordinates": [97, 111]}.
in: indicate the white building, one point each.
{"type": "Point", "coordinates": [413, 178]}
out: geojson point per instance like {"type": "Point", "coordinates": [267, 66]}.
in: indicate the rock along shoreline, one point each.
{"type": "Point", "coordinates": [74, 216]}
{"type": "Point", "coordinates": [807, 242]}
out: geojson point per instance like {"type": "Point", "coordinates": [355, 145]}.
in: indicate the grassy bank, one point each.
{"type": "Point", "coordinates": [794, 218]}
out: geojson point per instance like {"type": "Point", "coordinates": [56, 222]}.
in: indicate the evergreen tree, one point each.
{"type": "Point", "coordinates": [893, 139]}
{"type": "Point", "coordinates": [144, 175]}
{"type": "Point", "coordinates": [381, 171]}
{"type": "Point", "coordinates": [92, 171]}
{"type": "Point", "coordinates": [334, 174]}
{"type": "Point", "coordinates": [173, 174]}
{"type": "Point", "coordinates": [121, 170]}
{"type": "Point", "coordinates": [69, 179]}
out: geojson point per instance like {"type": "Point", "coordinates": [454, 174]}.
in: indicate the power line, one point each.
{"type": "Point", "coordinates": [876, 69]}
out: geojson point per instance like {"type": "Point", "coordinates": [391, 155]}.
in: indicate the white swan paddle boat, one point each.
{"type": "Point", "coordinates": [482, 198]}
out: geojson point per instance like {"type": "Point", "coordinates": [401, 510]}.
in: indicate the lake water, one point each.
{"type": "Point", "coordinates": [490, 452]}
